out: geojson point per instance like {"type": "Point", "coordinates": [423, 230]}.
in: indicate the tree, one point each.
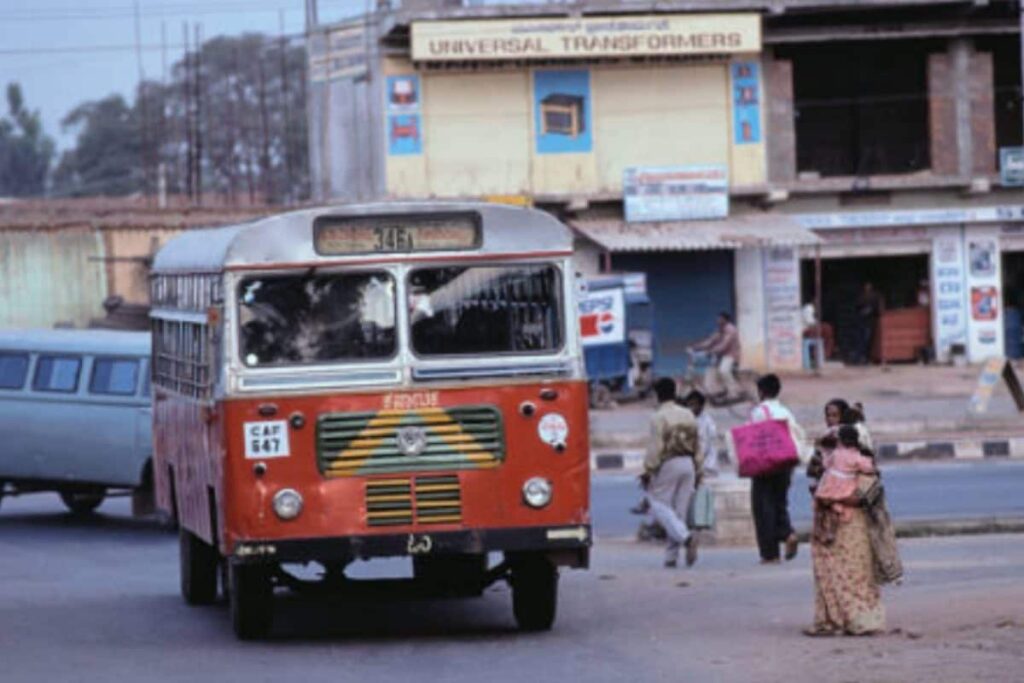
{"type": "Point", "coordinates": [106, 158]}
{"type": "Point", "coordinates": [231, 121]}
{"type": "Point", "coordinates": [25, 151]}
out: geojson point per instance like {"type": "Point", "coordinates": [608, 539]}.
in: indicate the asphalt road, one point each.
{"type": "Point", "coordinates": [917, 490]}
{"type": "Point", "coordinates": [97, 600]}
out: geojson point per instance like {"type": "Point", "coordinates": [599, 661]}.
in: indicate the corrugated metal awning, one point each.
{"type": "Point", "coordinates": [736, 232]}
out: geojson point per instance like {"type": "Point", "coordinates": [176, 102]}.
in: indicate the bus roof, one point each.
{"type": "Point", "coordinates": [287, 238]}
{"type": "Point", "coordinates": [106, 342]}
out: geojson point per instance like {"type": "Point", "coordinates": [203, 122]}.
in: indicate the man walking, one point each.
{"type": "Point", "coordinates": [672, 470]}
{"type": "Point", "coordinates": [769, 494]}
{"type": "Point", "coordinates": [724, 343]}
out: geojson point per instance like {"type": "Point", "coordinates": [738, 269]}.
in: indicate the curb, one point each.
{"type": "Point", "coordinates": [924, 528]}
{"type": "Point", "coordinates": [631, 459]}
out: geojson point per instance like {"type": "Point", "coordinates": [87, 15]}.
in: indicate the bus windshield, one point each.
{"type": "Point", "coordinates": [485, 309]}
{"type": "Point", "coordinates": [301, 318]}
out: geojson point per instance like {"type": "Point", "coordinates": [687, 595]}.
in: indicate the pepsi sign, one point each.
{"type": "Point", "coordinates": [603, 317]}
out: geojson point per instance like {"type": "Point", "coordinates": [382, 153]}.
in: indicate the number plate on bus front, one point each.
{"type": "Point", "coordinates": [267, 439]}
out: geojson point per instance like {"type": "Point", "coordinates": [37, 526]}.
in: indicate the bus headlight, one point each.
{"type": "Point", "coordinates": [537, 492]}
{"type": "Point", "coordinates": [287, 504]}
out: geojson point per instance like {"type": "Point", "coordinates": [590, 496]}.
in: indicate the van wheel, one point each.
{"type": "Point", "coordinates": [82, 502]}
{"type": "Point", "coordinates": [199, 562]}
{"type": "Point", "coordinates": [251, 595]}
{"type": "Point", "coordinates": [534, 592]}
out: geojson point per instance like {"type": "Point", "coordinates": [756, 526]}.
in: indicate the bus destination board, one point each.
{"type": "Point", "coordinates": [338, 236]}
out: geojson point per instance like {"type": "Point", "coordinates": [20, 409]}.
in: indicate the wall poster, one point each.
{"type": "Point", "coordinates": [949, 287]}
{"type": "Point", "coordinates": [783, 323]}
{"type": "Point", "coordinates": [746, 102]}
{"type": "Point", "coordinates": [984, 279]}
{"type": "Point", "coordinates": [404, 125]}
{"type": "Point", "coordinates": [562, 111]}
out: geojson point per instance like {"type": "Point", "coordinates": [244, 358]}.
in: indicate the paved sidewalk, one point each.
{"type": "Point", "coordinates": [903, 403]}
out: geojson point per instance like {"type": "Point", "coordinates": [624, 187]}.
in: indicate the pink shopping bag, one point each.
{"type": "Point", "coordinates": [764, 447]}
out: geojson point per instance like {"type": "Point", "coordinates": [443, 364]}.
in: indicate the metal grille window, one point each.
{"type": "Point", "coordinates": [182, 357]}
{"type": "Point", "coordinates": [486, 309]}
{"type": "Point", "coordinates": [13, 369]}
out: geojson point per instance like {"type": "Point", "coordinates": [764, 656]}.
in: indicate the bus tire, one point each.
{"type": "Point", "coordinates": [82, 502]}
{"type": "Point", "coordinates": [199, 562]}
{"type": "Point", "coordinates": [251, 595]}
{"type": "Point", "coordinates": [534, 592]}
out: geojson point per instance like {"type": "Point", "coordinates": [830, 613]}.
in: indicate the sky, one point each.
{"type": "Point", "coordinates": [64, 52]}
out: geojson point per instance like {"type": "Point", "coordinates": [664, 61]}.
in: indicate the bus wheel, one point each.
{"type": "Point", "coordinates": [82, 502]}
{"type": "Point", "coordinates": [199, 562]}
{"type": "Point", "coordinates": [251, 594]}
{"type": "Point", "coordinates": [534, 592]}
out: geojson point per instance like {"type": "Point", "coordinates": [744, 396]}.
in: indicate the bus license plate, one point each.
{"type": "Point", "coordinates": [267, 439]}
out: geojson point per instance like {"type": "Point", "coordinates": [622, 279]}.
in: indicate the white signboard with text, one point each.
{"type": "Point", "coordinates": [783, 322]}
{"type": "Point", "coordinates": [603, 317]}
{"type": "Point", "coordinates": [985, 294]}
{"type": "Point", "coordinates": [675, 193]}
{"type": "Point", "coordinates": [949, 283]}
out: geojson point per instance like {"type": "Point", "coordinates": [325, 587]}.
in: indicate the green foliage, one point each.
{"type": "Point", "coordinates": [248, 125]}
{"type": "Point", "coordinates": [25, 152]}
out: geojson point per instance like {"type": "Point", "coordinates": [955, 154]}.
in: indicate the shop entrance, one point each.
{"type": "Point", "coordinates": [1013, 302]}
{"type": "Point", "coordinates": [901, 330]}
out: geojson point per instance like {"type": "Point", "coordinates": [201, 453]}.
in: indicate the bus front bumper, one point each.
{"type": "Point", "coordinates": [565, 545]}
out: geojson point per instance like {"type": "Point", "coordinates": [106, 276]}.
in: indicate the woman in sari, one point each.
{"type": "Point", "coordinates": [847, 599]}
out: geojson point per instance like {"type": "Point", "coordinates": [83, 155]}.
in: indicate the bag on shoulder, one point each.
{"type": "Point", "coordinates": [764, 447]}
{"type": "Point", "coordinates": [700, 513]}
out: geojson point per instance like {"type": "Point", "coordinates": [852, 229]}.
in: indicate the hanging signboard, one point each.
{"type": "Point", "coordinates": [675, 193]}
{"type": "Point", "coordinates": [586, 37]}
{"type": "Point", "coordinates": [984, 279]}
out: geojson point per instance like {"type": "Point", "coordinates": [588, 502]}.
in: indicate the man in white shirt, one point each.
{"type": "Point", "coordinates": [706, 429]}
{"type": "Point", "coordinates": [769, 494]}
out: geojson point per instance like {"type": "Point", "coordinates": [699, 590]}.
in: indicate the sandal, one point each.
{"type": "Point", "coordinates": [819, 631]}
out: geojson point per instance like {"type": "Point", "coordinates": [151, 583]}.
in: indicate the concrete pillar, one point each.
{"type": "Point", "coordinates": [748, 281]}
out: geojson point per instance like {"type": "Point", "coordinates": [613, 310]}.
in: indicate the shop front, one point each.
{"type": "Point", "coordinates": [916, 285]}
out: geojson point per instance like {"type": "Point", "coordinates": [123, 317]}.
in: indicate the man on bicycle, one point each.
{"type": "Point", "coordinates": [724, 344]}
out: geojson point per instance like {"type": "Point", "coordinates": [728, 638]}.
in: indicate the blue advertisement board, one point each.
{"type": "Point", "coordinates": [404, 125]}
{"type": "Point", "coordinates": [562, 111]}
{"type": "Point", "coordinates": [746, 102]}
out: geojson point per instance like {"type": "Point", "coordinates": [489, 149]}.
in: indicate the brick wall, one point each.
{"type": "Point", "coordinates": [983, 126]}
{"type": "Point", "coordinates": [942, 114]}
{"type": "Point", "coordinates": [778, 85]}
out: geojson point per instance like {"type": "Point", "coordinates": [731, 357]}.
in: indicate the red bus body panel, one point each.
{"type": "Point", "coordinates": [213, 480]}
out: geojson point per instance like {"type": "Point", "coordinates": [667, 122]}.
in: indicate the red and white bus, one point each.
{"type": "Point", "coordinates": [339, 384]}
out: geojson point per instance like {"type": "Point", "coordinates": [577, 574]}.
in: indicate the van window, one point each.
{"type": "Point", "coordinates": [57, 373]}
{"type": "Point", "coordinates": [13, 368]}
{"type": "Point", "coordinates": [115, 376]}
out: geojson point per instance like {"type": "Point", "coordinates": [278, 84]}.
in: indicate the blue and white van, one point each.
{"type": "Point", "coordinates": [75, 415]}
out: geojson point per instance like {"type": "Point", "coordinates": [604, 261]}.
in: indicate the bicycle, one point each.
{"type": "Point", "coordinates": [693, 377]}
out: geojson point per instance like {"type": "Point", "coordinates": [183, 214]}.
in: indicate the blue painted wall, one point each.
{"type": "Point", "coordinates": [688, 290]}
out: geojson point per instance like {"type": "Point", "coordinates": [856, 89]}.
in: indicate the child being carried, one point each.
{"type": "Point", "coordinates": [838, 486]}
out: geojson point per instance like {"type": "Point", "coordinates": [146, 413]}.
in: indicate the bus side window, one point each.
{"type": "Point", "coordinates": [13, 370]}
{"type": "Point", "coordinates": [114, 376]}
{"type": "Point", "coordinates": [57, 373]}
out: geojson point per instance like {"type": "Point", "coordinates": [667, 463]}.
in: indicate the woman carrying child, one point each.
{"type": "Point", "coordinates": [847, 596]}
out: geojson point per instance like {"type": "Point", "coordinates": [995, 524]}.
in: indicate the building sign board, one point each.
{"type": "Point", "coordinates": [985, 280]}
{"type": "Point", "coordinates": [871, 219]}
{"type": "Point", "coordinates": [1011, 166]}
{"type": "Point", "coordinates": [746, 102]}
{"type": "Point", "coordinates": [674, 193]}
{"type": "Point", "coordinates": [585, 37]}
{"type": "Point", "coordinates": [343, 56]}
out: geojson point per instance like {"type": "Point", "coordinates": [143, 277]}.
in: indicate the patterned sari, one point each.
{"type": "Point", "coordinates": [846, 593]}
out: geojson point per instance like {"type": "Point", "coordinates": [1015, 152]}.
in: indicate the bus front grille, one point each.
{"type": "Point", "coordinates": [403, 501]}
{"type": "Point", "coordinates": [393, 441]}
